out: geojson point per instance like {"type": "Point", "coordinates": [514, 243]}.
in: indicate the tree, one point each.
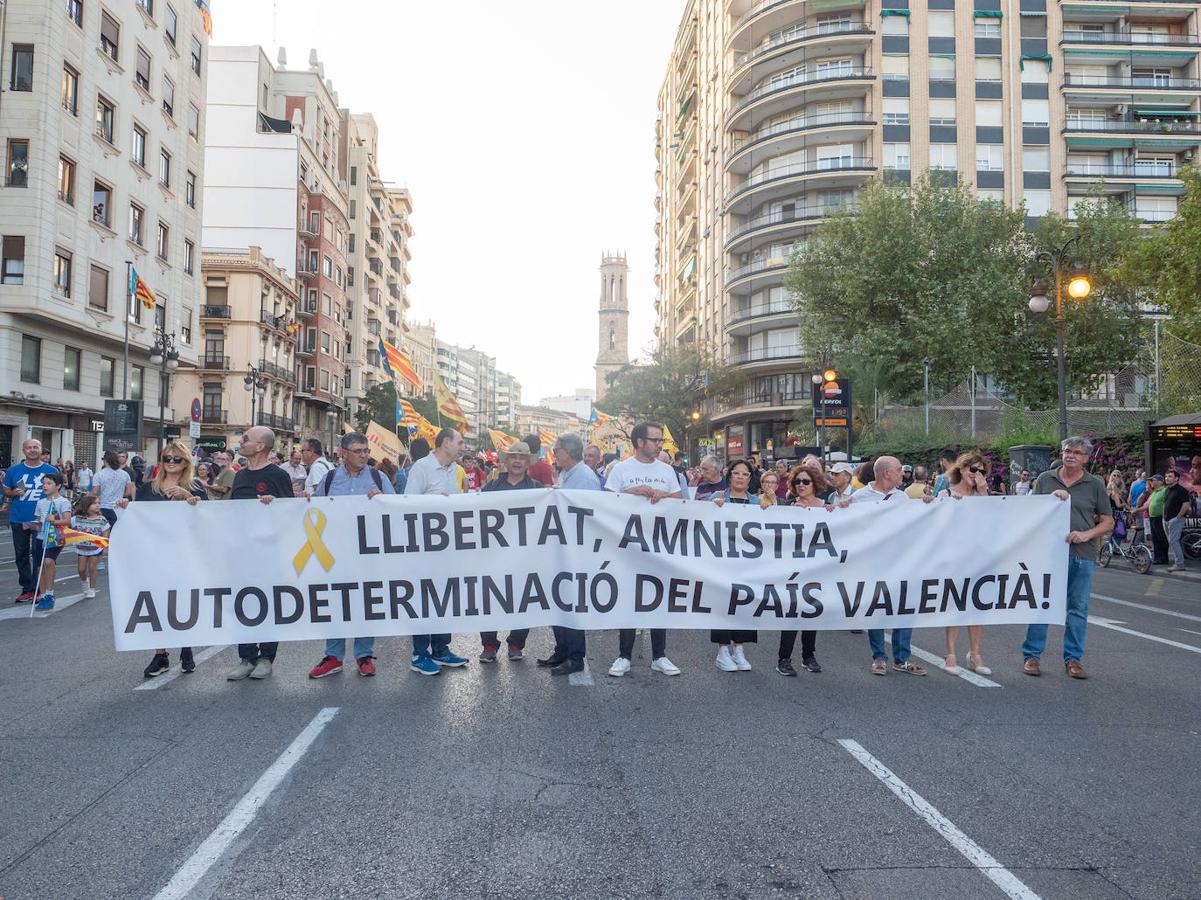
{"type": "Point", "coordinates": [675, 382]}
{"type": "Point", "coordinates": [379, 405]}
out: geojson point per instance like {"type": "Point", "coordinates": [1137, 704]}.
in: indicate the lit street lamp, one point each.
{"type": "Point", "coordinates": [1079, 286]}
{"type": "Point", "coordinates": [256, 384]}
{"type": "Point", "coordinates": [164, 355]}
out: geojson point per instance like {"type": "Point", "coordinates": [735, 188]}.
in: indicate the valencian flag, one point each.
{"type": "Point", "coordinates": [140, 290]}
{"type": "Point", "coordinates": [448, 406]}
{"type": "Point", "coordinates": [501, 441]}
{"type": "Point", "coordinates": [71, 536]}
{"type": "Point", "coordinates": [398, 365]}
{"type": "Point", "coordinates": [547, 438]}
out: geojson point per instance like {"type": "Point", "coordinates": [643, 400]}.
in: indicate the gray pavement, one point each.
{"type": "Point", "coordinates": [500, 781]}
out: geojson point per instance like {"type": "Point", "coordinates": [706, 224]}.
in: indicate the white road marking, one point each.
{"type": "Point", "coordinates": [153, 684]}
{"type": "Point", "coordinates": [581, 679]}
{"type": "Point", "coordinates": [1189, 630]}
{"type": "Point", "coordinates": [215, 845]}
{"type": "Point", "coordinates": [25, 612]}
{"type": "Point", "coordinates": [940, 663]}
{"type": "Point", "coordinates": [1114, 625]}
{"type": "Point", "coordinates": [973, 852]}
{"type": "Point", "coordinates": [1147, 607]}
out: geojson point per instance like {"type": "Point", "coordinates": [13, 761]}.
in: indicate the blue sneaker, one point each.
{"type": "Point", "coordinates": [448, 659]}
{"type": "Point", "coordinates": [47, 602]}
{"type": "Point", "coordinates": [423, 665]}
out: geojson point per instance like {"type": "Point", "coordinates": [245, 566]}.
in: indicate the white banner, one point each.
{"type": "Point", "coordinates": [231, 571]}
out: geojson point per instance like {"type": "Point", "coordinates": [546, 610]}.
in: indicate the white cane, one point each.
{"type": "Point", "coordinates": [37, 585]}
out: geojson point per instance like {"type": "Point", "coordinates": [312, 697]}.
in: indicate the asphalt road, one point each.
{"type": "Point", "coordinates": [503, 782]}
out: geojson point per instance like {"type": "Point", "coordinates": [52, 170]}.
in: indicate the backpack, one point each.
{"type": "Point", "coordinates": [329, 480]}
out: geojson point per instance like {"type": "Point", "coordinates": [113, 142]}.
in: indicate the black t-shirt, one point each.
{"type": "Point", "coordinates": [269, 481]}
{"type": "Point", "coordinates": [146, 491]}
{"type": "Point", "coordinates": [502, 484]}
{"type": "Point", "coordinates": [1176, 497]}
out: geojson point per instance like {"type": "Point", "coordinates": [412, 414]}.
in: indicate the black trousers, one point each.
{"type": "Point", "coordinates": [254, 652]}
{"type": "Point", "coordinates": [570, 643]}
{"type": "Point", "coordinates": [1159, 541]}
{"type": "Point", "coordinates": [788, 641]}
{"type": "Point", "coordinates": [625, 642]}
{"type": "Point", "coordinates": [726, 636]}
{"type": "Point", "coordinates": [517, 637]}
{"type": "Point", "coordinates": [23, 557]}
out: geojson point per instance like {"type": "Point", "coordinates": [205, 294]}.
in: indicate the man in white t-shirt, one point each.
{"type": "Point", "coordinates": [312, 456]}
{"type": "Point", "coordinates": [644, 476]}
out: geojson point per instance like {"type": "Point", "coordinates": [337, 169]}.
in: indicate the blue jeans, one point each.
{"type": "Point", "coordinates": [336, 647]}
{"type": "Point", "coordinates": [900, 643]}
{"type": "Point", "coordinates": [23, 551]}
{"type": "Point", "coordinates": [1080, 583]}
{"type": "Point", "coordinates": [430, 644]}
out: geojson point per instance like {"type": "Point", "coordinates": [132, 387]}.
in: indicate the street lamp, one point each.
{"type": "Point", "coordinates": [1079, 286]}
{"type": "Point", "coordinates": [164, 355]}
{"type": "Point", "coordinates": [256, 384]}
{"type": "Point", "coordinates": [927, 362]}
{"type": "Point", "coordinates": [332, 415]}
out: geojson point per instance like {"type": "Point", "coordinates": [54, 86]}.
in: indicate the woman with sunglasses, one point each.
{"type": "Point", "coordinates": [174, 480]}
{"type": "Point", "coordinates": [968, 477]}
{"type": "Point", "coordinates": [730, 655]}
{"type": "Point", "coordinates": [806, 488]}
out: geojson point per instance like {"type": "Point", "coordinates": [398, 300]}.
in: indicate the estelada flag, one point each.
{"type": "Point", "coordinates": [547, 438]}
{"type": "Point", "coordinates": [448, 406]}
{"type": "Point", "coordinates": [399, 365]}
{"type": "Point", "coordinates": [597, 418]}
{"type": "Point", "coordinates": [72, 536]}
{"type": "Point", "coordinates": [140, 290]}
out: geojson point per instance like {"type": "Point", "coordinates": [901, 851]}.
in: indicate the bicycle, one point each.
{"type": "Point", "coordinates": [1138, 554]}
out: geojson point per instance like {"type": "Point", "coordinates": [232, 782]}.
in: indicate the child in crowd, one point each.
{"type": "Point", "coordinates": [52, 513]}
{"type": "Point", "coordinates": [89, 519]}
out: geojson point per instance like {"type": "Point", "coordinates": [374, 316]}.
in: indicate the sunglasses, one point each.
{"type": "Point", "coordinates": [802, 481]}
{"type": "Point", "coordinates": [174, 459]}
{"type": "Point", "coordinates": [975, 470]}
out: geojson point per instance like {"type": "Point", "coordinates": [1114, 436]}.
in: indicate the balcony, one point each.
{"type": "Point", "coordinates": [785, 181]}
{"type": "Point", "coordinates": [755, 275]}
{"type": "Point", "coordinates": [376, 266]}
{"type": "Point", "coordinates": [306, 231]}
{"type": "Point", "coordinates": [279, 323]}
{"type": "Point", "coordinates": [1130, 83]}
{"type": "Point", "coordinates": [306, 349]}
{"type": "Point", "coordinates": [306, 308]}
{"type": "Point", "coordinates": [784, 353]}
{"type": "Point", "coordinates": [773, 224]}
{"type": "Point", "coordinates": [1129, 38]}
{"type": "Point", "coordinates": [824, 83]}
{"type": "Point", "coordinates": [214, 363]}
{"type": "Point", "coordinates": [786, 137]}
{"type": "Point", "coordinates": [276, 423]}
{"type": "Point", "coordinates": [276, 371]}
{"type": "Point", "coordinates": [212, 416]}
{"type": "Point", "coordinates": [750, 319]}
{"type": "Point", "coordinates": [214, 312]}
{"type": "Point", "coordinates": [1144, 126]}
{"type": "Point", "coordinates": [768, 16]}
{"type": "Point", "coordinates": [794, 46]}
{"type": "Point", "coordinates": [306, 274]}
{"type": "Point", "coordinates": [1149, 169]}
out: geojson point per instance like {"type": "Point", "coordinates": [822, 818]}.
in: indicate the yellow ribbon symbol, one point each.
{"type": "Point", "coordinates": [314, 525]}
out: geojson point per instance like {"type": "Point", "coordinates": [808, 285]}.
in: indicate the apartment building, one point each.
{"type": "Point", "coordinates": [102, 119]}
{"type": "Point", "coordinates": [378, 254]}
{"type": "Point", "coordinates": [248, 335]}
{"type": "Point", "coordinates": [421, 344]}
{"type": "Point", "coordinates": [529, 419]}
{"type": "Point", "coordinates": [277, 181]}
{"type": "Point", "coordinates": [508, 398]}
{"type": "Point", "coordinates": [773, 114]}
{"type": "Point", "coordinates": [579, 404]}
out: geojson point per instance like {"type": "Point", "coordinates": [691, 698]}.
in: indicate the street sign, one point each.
{"type": "Point", "coordinates": [123, 425]}
{"type": "Point", "coordinates": [195, 409]}
{"type": "Point", "coordinates": [832, 401]}
{"type": "Point", "coordinates": [193, 430]}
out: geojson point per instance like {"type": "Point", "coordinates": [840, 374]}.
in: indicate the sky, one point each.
{"type": "Point", "coordinates": [525, 133]}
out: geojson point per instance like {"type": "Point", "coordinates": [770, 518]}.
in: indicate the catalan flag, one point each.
{"type": "Point", "coordinates": [547, 438]}
{"type": "Point", "coordinates": [501, 441]}
{"type": "Point", "coordinates": [72, 536]}
{"type": "Point", "coordinates": [140, 290]}
{"type": "Point", "coordinates": [398, 365]}
{"type": "Point", "coordinates": [416, 424]}
{"type": "Point", "coordinates": [448, 406]}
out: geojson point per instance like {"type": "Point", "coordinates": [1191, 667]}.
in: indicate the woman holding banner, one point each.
{"type": "Point", "coordinates": [968, 477]}
{"type": "Point", "coordinates": [730, 655]}
{"type": "Point", "coordinates": [806, 488]}
{"type": "Point", "coordinates": [174, 480]}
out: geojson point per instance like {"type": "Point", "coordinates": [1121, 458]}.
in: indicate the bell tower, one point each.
{"type": "Point", "coordinates": [612, 351]}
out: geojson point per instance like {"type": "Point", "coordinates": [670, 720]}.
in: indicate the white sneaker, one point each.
{"type": "Point", "coordinates": [740, 659]}
{"type": "Point", "coordinates": [89, 593]}
{"type": "Point", "coordinates": [620, 667]}
{"type": "Point", "coordinates": [724, 661]}
{"type": "Point", "coordinates": [665, 666]}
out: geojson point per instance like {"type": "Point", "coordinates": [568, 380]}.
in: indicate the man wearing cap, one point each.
{"type": "Point", "coordinates": [840, 477]}
{"type": "Point", "coordinates": [516, 477]}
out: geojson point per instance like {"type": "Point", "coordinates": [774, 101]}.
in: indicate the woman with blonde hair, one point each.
{"type": "Point", "coordinates": [968, 477]}
{"type": "Point", "coordinates": [174, 480]}
{"type": "Point", "coordinates": [769, 483]}
{"type": "Point", "coordinates": [1118, 492]}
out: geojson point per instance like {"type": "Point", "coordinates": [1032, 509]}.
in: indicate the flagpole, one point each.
{"type": "Point", "coordinates": [128, 301]}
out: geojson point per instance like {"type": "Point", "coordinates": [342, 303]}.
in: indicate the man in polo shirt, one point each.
{"type": "Point", "coordinates": [886, 488]}
{"type": "Point", "coordinates": [516, 461]}
{"type": "Point", "coordinates": [438, 475]}
{"type": "Point", "coordinates": [352, 478]}
{"type": "Point", "coordinates": [1092, 519]}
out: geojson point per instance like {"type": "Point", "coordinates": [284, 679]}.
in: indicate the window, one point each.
{"type": "Point", "coordinates": [325, 342]}
{"type": "Point", "coordinates": [31, 359]}
{"type": "Point", "coordinates": [944, 156]}
{"type": "Point", "coordinates": [136, 218]}
{"type": "Point", "coordinates": [170, 25]}
{"type": "Point", "coordinates": [21, 78]}
{"type": "Point", "coordinates": [189, 190]}
{"type": "Point", "coordinates": [942, 111]}
{"type": "Point", "coordinates": [110, 37]}
{"type": "Point", "coordinates": [1033, 27]}
{"type": "Point", "coordinates": [895, 25]}
{"type": "Point", "coordinates": [315, 223]}
{"type": "Point", "coordinates": [325, 379]}
{"type": "Point", "coordinates": [353, 208]}
{"type": "Point", "coordinates": [895, 68]}
{"type": "Point", "coordinates": [941, 23]}
{"type": "Point", "coordinates": [988, 113]}
{"type": "Point", "coordinates": [164, 168]}
{"type": "Point", "coordinates": [70, 90]}
{"type": "Point", "coordinates": [136, 377]}
{"type": "Point", "coordinates": [169, 96]}
{"type": "Point", "coordinates": [328, 302]}
{"type": "Point", "coordinates": [62, 272]}
{"type": "Point", "coordinates": [196, 50]}
{"type": "Point", "coordinates": [142, 72]}
{"type": "Point", "coordinates": [313, 263]}
{"type": "Point", "coordinates": [990, 157]}
{"type": "Point", "coordinates": [160, 314]}
{"type": "Point", "coordinates": [189, 256]}
{"type": "Point", "coordinates": [185, 325]}
{"type": "Point", "coordinates": [327, 267]}
{"type": "Point", "coordinates": [194, 121]}
{"type": "Point", "coordinates": [102, 204]}
{"type": "Point", "coordinates": [18, 164]}
{"type": "Point", "coordinates": [354, 175]}
{"type": "Point", "coordinates": [75, 11]}
{"type": "Point", "coordinates": [12, 266]}
{"type": "Point", "coordinates": [108, 366]}
{"type": "Point", "coordinates": [942, 68]}
{"type": "Point", "coordinates": [1036, 159]}
{"type": "Point", "coordinates": [1038, 203]}
{"type": "Point", "coordinates": [1034, 71]}
{"type": "Point", "coordinates": [896, 156]}
{"type": "Point", "coordinates": [896, 109]}
{"type": "Point", "coordinates": [1035, 112]}
{"type": "Point", "coordinates": [106, 115]}
{"type": "Point", "coordinates": [164, 240]}
{"type": "Point", "coordinates": [988, 68]}
{"type": "Point", "coordinates": [66, 180]}
{"type": "Point", "coordinates": [147, 5]}
{"type": "Point", "coordinates": [988, 28]}
{"type": "Point", "coordinates": [72, 358]}
{"type": "Point", "coordinates": [138, 151]}
{"type": "Point", "coordinates": [98, 288]}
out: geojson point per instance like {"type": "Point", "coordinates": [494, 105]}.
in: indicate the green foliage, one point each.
{"type": "Point", "coordinates": [379, 405]}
